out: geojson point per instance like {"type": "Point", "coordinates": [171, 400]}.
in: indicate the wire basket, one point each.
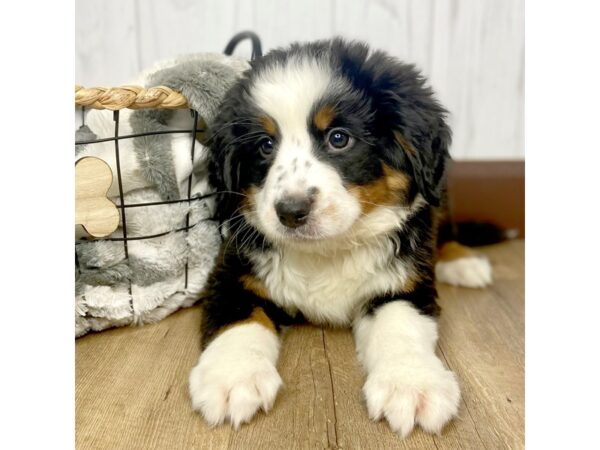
{"type": "Point", "coordinates": [135, 97]}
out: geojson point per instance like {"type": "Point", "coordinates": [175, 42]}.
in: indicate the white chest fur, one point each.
{"type": "Point", "coordinates": [330, 288]}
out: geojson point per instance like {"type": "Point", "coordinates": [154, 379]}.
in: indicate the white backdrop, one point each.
{"type": "Point", "coordinates": [472, 51]}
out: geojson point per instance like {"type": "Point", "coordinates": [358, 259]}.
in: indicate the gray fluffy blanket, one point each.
{"type": "Point", "coordinates": [151, 283]}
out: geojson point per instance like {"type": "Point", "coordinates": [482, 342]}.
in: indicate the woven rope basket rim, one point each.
{"type": "Point", "coordinates": [132, 97]}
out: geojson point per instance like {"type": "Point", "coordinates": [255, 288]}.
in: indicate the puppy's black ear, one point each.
{"type": "Point", "coordinates": [428, 159]}
{"type": "Point", "coordinates": [414, 122]}
{"type": "Point", "coordinates": [223, 169]}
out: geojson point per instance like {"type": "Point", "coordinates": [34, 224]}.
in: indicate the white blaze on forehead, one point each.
{"type": "Point", "coordinates": [288, 94]}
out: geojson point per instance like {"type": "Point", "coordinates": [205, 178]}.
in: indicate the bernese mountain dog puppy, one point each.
{"type": "Point", "coordinates": [330, 162]}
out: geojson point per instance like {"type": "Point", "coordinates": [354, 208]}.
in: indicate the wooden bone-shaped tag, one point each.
{"type": "Point", "coordinates": [93, 210]}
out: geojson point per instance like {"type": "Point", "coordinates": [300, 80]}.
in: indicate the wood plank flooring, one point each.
{"type": "Point", "coordinates": [131, 383]}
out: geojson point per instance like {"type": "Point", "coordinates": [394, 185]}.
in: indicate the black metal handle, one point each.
{"type": "Point", "coordinates": [235, 40]}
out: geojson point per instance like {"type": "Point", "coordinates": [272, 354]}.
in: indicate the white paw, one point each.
{"type": "Point", "coordinates": [236, 375]}
{"type": "Point", "coordinates": [428, 396]}
{"type": "Point", "coordinates": [472, 271]}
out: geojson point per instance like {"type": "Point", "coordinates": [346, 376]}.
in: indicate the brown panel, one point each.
{"type": "Point", "coordinates": [489, 191]}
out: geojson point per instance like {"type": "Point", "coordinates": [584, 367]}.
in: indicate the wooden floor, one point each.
{"type": "Point", "coordinates": [131, 383]}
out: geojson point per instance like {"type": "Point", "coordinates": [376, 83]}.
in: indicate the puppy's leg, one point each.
{"type": "Point", "coordinates": [406, 382]}
{"type": "Point", "coordinates": [236, 374]}
{"type": "Point", "coordinates": [462, 266]}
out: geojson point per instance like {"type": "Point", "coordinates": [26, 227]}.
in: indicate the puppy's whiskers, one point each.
{"type": "Point", "coordinates": [215, 133]}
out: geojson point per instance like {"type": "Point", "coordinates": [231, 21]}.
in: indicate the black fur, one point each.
{"type": "Point", "coordinates": [423, 298]}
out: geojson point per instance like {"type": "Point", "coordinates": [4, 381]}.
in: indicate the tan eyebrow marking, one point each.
{"type": "Point", "coordinates": [323, 117]}
{"type": "Point", "coordinates": [269, 125]}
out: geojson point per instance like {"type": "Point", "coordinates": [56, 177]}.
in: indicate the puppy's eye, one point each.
{"type": "Point", "coordinates": [339, 140]}
{"type": "Point", "coordinates": [265, 146]}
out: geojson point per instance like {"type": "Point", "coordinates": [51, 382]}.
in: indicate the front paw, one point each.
{"type": "Point", "coordinates": [405, 395]}
{"type": "Point", "coordinates": [234, 378]}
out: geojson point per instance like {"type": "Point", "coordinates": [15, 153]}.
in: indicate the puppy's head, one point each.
{"type": "Point", "coordinates": [325, 140]}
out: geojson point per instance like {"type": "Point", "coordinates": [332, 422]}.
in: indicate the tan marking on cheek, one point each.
{"type": "Point", "coordinates": [390, 189]}
{"type": "Point", "coordinates": [453, 250]}
{"type": "Point", "coordinates": [323, 117]}
{"type": "Point", "coordinates": [397, 181]}
{"type": "Point", "coordinates": [255, 285]}
{"type": "Point", "coordinates": [269, 125]}
{"type": "Point", "coordinates": [370, 195]}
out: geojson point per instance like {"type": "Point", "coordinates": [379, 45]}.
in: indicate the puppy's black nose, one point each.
{"type": "Point", "coordinates": [293, 211]}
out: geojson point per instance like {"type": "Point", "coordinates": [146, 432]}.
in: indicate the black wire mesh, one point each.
{"type": "Point", "coordinates": [122, 206]}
